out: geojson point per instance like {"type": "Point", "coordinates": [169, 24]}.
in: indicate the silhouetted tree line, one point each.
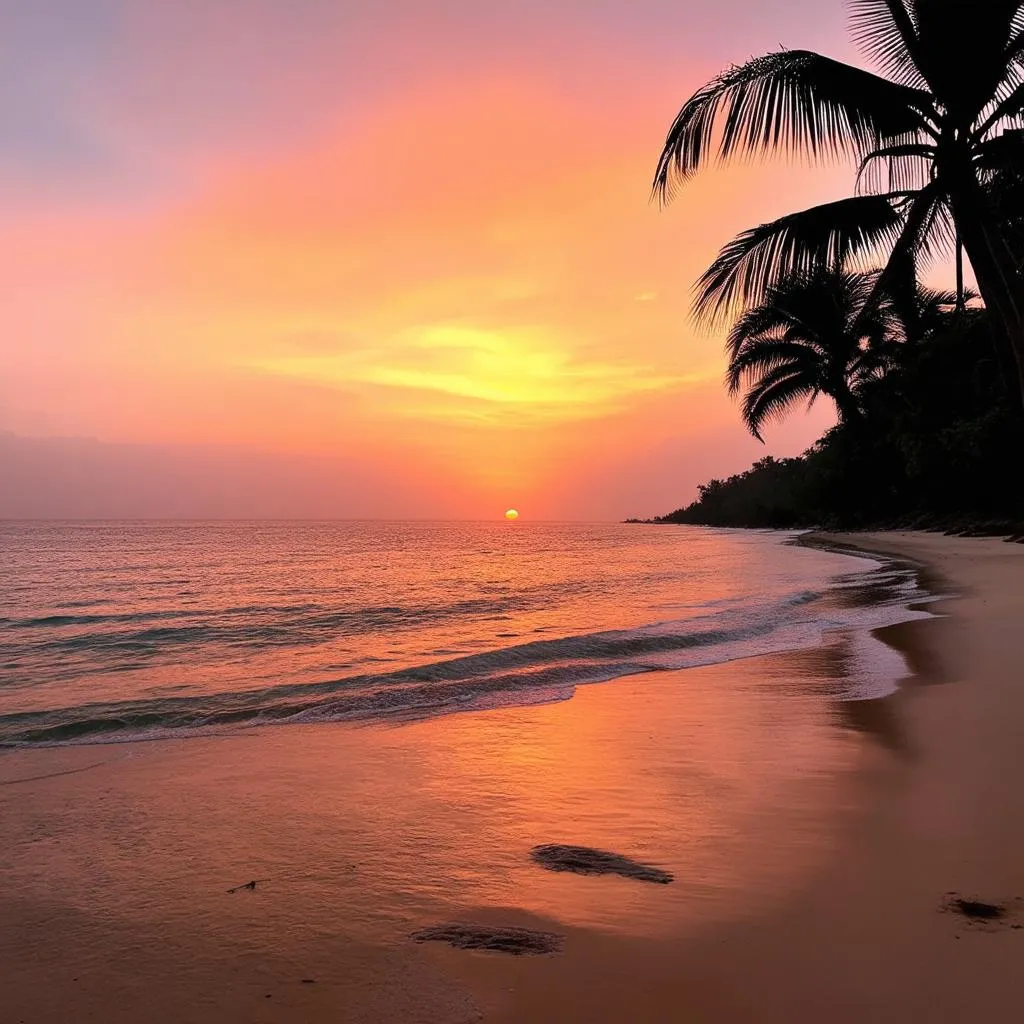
{"type": "Point", "coordinates": [938, 445]}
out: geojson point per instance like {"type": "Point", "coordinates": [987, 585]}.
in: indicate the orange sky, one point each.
{"type": "Point", "coordinates": [419, 242]}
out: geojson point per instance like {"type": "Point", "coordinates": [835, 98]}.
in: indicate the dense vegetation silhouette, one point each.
{"type": "Point", "coordinates": [937, 445]}
{"type": "Point", "coordinates": [826, 301]}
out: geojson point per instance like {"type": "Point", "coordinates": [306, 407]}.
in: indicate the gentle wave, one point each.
{"type": "Point", "coordinates": [254, 627]}
{"type": "Point", "coordinates": [532, 672]}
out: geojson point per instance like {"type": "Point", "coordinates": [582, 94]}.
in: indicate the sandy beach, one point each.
{"type": "Point", "coordinates": [815, 846]}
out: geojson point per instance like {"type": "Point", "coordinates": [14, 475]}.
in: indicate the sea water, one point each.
{"type": "Point", "coordinates": [113, 631]}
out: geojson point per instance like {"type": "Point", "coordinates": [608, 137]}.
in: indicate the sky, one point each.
{"type": "Point", "coordinates": [389, 258]}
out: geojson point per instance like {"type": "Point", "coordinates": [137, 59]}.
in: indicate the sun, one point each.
{"type": "Point", "coordinates": [511, 514]}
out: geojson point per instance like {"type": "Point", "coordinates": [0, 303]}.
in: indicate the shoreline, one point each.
{"type": "Point", "coordinates": [814, 843]}
{"type": "Point", "coordinates": [113, 725]}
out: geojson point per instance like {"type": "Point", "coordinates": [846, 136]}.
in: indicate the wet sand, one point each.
{"type": "Point", "coordinates": [811, 841]}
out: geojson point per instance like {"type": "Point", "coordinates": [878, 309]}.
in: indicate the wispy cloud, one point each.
{"type": "Point", "coordinates": [511, 373]}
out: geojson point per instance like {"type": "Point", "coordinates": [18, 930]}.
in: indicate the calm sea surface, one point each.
{"type": "Point", "coordinates": [119, 631]}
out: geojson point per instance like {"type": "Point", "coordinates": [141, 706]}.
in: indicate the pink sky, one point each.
{"type": "Point", "coordinates": [370, 259]}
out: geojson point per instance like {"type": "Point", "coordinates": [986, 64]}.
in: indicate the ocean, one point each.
{"type": "Point", "coordinates": [119, 631]}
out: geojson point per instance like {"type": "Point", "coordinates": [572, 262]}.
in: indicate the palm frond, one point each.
{"type": "Point", "coordinates": [935, 307]}
{"type": "Point", "coordinates": [1015, 47]}
{"type": "Point", "coordinates": [1003, 152]}
{"type": "Point", "coordinates": [810, 310]}
{"type": "Point", "coordinates": [766, 321]}
{"type": "Point", "coordinates": [936, 237]}
{"type": "Point", "coordinates": [1008, 108]}
{"type": "Point", "coordinates": [937, 298]}
{"type": "Point", "coordinates": [829, 235]}
{"type": "Point", "coordinates": [904, 167]}
{"type": "Point", "coordinates": [762, 356]}
{"type": "Point", "coordinates": [884, 30]}
{"type": "Point", "coordinates": [794, 101]}
{"type": "Point", "coordinates": [875, 365]}
{"type": "Point", "coordinates": [773, 396]}
{"type": "Point", "coordinates": [1012, 79]}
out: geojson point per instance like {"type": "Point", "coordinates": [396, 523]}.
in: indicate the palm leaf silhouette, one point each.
{"type": "Point", "coordinates": [936, 136]}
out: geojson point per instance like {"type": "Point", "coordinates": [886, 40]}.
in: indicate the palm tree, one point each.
{"type": "Point", "coordinates": [823, 332]}
{"type": "Point", "coordinates": [932, 134]}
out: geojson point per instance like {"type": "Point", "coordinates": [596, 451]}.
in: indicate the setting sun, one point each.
{"type": "Point", "coordinates": [511, 514]}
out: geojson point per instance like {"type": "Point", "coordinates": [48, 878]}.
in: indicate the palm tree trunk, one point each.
{"type": "Point", "coordinates": [995, 267]}
{"type": "Point", "coordinates": [1003, 301]}
{"type": "Point", "coordinates": [961, 302]}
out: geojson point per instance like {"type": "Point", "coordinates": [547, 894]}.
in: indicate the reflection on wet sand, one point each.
{"type": "Point", "coordinates": [707, 773]}
{"type": "Point", "coordinates": [733, 778]}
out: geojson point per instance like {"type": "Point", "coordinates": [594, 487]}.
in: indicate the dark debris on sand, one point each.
{"type": "Point", "coordinates": [983, 914]}
{"type": "Point", "coordinates": [978, 910]}
{"type": "Point", "coordinates": [584, 860]}
{"type": "Point", "coordinates": [251, 886]}
{"type": "Point", "coordinates": [513, 941]}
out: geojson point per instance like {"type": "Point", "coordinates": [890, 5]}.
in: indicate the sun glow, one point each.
{"type": "Point", "coordinates": [511, 514]}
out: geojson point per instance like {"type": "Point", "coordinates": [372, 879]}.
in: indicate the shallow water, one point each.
{"type": "Point", "coordinates": [120, 631]}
